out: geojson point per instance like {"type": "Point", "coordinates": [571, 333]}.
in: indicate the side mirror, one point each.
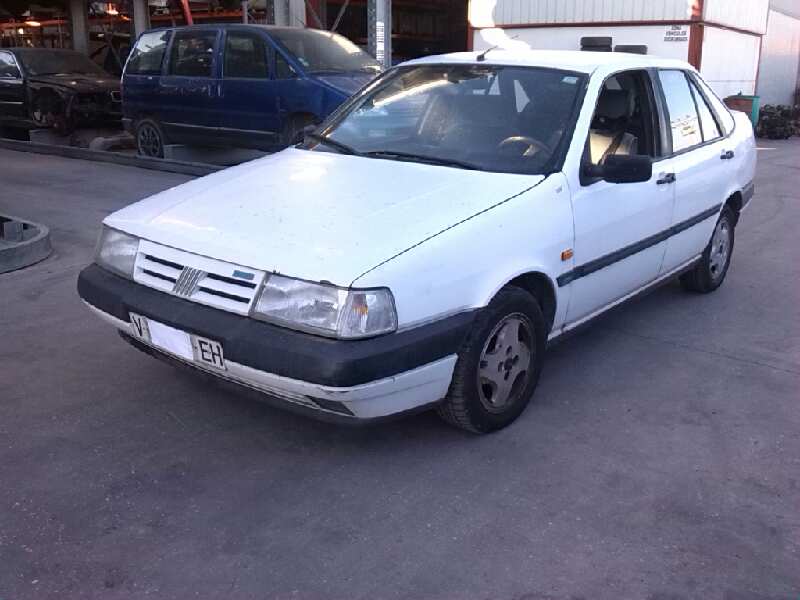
{"type": "Point", "coordinates": [301, 135]}
{"type": "Point", "coordinates": [620, 168]}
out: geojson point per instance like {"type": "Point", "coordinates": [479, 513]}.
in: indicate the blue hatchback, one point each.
{"type": "Point", "coordinates": [241, 85]}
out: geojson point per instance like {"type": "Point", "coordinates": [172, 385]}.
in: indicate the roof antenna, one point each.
{"type": "Point", "coordinates": [482, 55]}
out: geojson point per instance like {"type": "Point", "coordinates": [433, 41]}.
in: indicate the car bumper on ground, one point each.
{"type": "Point", "coordinates": [353, 380]}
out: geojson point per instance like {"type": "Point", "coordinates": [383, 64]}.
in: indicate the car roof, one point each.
{"type": "Point", "coordinates": [275, 28]}
{"type": "Point", "coordinates": [29, 50]}
{"type": "Point", "coordinates": [570, 60]}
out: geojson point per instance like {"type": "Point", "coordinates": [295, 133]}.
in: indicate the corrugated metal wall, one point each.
{"type": "Point", "coordinates": [508, 12]}
{"type": "Point", "coordinates": [730, 61]}
{"type": "Point", "coordinates": [744, 14]}
{"type": "Point", "coordinates": [780, 55]}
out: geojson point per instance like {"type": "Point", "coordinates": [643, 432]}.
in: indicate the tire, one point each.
{"type": "Point", "coordinates": [710, 271]}
{"type": "Point", "coordinates": [294, 128]}
{"type": "Point", "coordinates": [475, 402]}
{"type": "Point", "coordinates": [150, 138]}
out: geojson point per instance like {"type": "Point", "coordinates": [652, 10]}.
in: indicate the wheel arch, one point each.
{"type": "Point", "coordinates": [541, 287]}
{"type": "Point", "coordinates": [735, 201]}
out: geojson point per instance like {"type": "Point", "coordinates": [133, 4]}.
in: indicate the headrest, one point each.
{"type": "Point", "coordinates": [614, 104]}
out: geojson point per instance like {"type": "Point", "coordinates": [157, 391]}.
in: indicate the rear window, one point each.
{"type": "Point", "coordinates": [717, 105]}
{"type": "Point", "coordinates": [324, 51]}
{"type": "Point", "coordinates": [38, 61]}
{"type": "Point", "coordinates": [148, 54]}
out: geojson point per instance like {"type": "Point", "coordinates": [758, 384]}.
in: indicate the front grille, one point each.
{"type": "Point", "coordinates": [197, 278]}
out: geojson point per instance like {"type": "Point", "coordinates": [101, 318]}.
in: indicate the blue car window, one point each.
{"type": "Point", "coordinates": [283, 70]}
{"type": "Point", "coordinates": [148, 54]}
{"type": "Point", "coordinates": [245, 56]}
{"type": "Point", "coordinates": [192, 53]}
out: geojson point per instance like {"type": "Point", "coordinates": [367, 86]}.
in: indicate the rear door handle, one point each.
{"type": "Point", "coordinates": [666, 178]}
{"type": "Point", "coordinates": [726, 155]}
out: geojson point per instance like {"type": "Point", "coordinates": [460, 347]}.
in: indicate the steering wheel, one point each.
{"type": "Point", "coordinates": [534, 145]}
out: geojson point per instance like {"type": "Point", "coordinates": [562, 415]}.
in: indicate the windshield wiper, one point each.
{"type": "Point", "coordinates": [327, 141]}
{"type": "Point", "coordinates": [430, 160]}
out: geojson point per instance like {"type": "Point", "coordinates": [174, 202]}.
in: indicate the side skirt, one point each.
{"type": "Point", "coordinates": [649, 287]}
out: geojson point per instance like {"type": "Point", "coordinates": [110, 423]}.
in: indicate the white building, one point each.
{"type": "Point", "coordinates": [724, 39]}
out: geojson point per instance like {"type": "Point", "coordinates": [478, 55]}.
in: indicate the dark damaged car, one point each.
{"type": "Point", "coordinates": [60, 89]}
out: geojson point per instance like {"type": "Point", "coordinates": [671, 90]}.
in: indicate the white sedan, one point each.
{"type": "Point", "coordinates": [424, 244]}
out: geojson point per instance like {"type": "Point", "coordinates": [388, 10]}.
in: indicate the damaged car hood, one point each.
{"type": "Point", "coordinates": [77, 82]}
{"type": "Point", "coordinates": [316, 215]}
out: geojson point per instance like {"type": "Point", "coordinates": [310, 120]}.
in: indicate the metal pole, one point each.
{"type": "Point", "coordinates": [245, 10]}
{"type": "Point", "coordinates": [141, 17]}
{"type": "Point", "coordinates": [379, 30]}
{"type": "Point", "coordinates": [79, 18]}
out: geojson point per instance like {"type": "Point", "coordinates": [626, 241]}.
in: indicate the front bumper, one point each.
{"type": "Point", "coordinates": [352, 379]}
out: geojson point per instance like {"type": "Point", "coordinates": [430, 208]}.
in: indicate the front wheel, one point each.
{"type": "Point", "coordinates": [709, 272]}
{"type": "Point", "coordinates": [499, 365]}
{"type": "Point", "coordinates": [149, 139]}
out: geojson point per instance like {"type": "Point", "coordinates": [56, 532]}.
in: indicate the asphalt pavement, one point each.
{"type": "Point", "coordinates": [660, 459]}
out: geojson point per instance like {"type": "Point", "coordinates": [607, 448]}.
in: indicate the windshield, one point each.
{"type": "Point", "coordinates": [323, 51]}
{"type": "Point", "coordinates": [491, 118]}
{"type": "Point", "coordinates": [38, 62]}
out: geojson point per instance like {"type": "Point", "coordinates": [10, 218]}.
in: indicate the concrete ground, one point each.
{"type": "Point", "coordinates": [660, 461]}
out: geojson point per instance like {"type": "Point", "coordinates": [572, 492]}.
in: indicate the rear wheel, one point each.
{"type": "Point", "coordinates": [710, 271]}
{"type": "Point", "coordinates": [150, 138]}
{"type": "Point", "coordinates": [499, 365]}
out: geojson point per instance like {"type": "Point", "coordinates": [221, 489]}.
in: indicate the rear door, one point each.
{"type": "Point", "coordinates": [247, 105]}
{"type": "Point", "coordinates": [187, 91]}
{"type": "Point", "coordinates": [12, 90]}
{"type": "Point", "coordinates": [700, 159]}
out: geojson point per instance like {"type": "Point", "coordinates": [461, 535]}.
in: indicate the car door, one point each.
{"type": "Point", "coordinates": [12, 89]}
{"type": "Point", "coordinates": [247, 104]}
{"type": "Point", "coordinates": [619, 227]}
{"type": "Point", "coordinates": [188, 88]}
{"type": "Point", "coordinates": [141, 78]}
{"type": "Point", "coordinates": [701, 164]}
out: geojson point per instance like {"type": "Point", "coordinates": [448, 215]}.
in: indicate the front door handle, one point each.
{"type": "Point", "coordinates": [666, 178]}
{"type": "Point", "coordinates": [726, 155]}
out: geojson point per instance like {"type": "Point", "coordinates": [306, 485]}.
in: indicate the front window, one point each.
{"type": "Point", "coordinates": [57, 62]}
{"type": "Point", "coordinates": [490, 118]}
{"type": "Point", "coordinates": [324, 51]}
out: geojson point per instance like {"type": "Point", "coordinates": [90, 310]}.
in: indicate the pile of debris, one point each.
{"type": "Point", "coordinates": [778, 122]}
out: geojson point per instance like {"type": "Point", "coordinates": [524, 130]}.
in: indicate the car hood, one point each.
{"type": "Point", "coordinates": [78, 82]}
{"type": "Point", "coordinates": [315, 215]}
{"type": "Point", "coordinates": [347, 83]}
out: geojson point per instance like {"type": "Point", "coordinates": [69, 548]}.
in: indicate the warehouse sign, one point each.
{"type": "Point", "coordinates": [676, 33]}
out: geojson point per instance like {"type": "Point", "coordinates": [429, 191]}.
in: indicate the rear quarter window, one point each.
{"type": "Point", "coordinates": [148, 54]}
{"type": "Point", "coordinates": [725, 116]}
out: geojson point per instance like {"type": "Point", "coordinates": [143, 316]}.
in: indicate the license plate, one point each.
{"type": "Point", "coordinates": [174, 341]}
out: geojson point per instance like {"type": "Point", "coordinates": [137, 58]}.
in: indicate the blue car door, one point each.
{"type": "Point", "coordinates": [189, 86]}
{"type": "Point", "coordinates": [247, 106]}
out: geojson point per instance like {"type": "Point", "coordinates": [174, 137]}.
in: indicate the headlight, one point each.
{"type": "Point", "coordinates": [116, 251]}
{"type": "Point", "coordinates": [326, 309]}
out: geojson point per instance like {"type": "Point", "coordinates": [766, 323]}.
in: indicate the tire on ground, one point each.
{"type": "Point", "coordinates": [706, 276]}
{"type": "Point", "coordinates": [150, 138]}
{"type": "Point", "coordinates": [463, 406]}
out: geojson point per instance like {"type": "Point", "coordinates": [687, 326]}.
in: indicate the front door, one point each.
{"type": "Point", "coordinates": [619, 227]}
{"type": "Point", "coordinates": [188, 88]}
{"type": "Point", "coordinates": [247, 107]}
{"type": "Point", "coordinates": [12, 90]}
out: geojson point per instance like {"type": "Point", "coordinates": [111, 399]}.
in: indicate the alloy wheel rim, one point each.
{"type": "Point", "coordinates": [504, 368]}
{"type": "Point", "coordinates": [720, 249]}
{"type": "Point", "coordinates": [149, 141]}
